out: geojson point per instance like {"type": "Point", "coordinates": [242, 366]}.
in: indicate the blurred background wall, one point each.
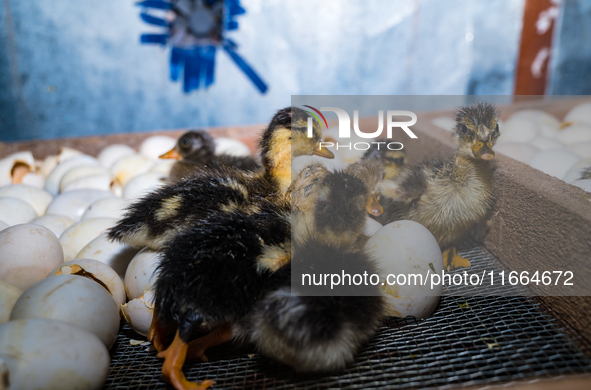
{"type": "Point", "coordinates": [72, 68]}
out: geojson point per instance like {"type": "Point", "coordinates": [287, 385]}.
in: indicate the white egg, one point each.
{"type": "Point", "coordinates": [519, 152]}
{"type": "Point", "coordinates": [405, 248]}
{"type": "Point", "coordinates": [81, 172]}
{"type": "Point", "coordinates": [444, 122]}
{"type": "Point", "coordinates": [576, 170]}
{"type": "Point", "coordinates": [584, 184]}
{"type": "Point", "coordinates": [96, 271]}
{"type": "Point", "coordinates": [32, 179]}
{"type": "Point", "coordinates": [163, 166]}
{"type": "Point", "coordinates": [129, 167]}
{"type": "Point", "coordinates": [51, 354]}
{"type": "Point", "coordinates": [39, 199]}
{"type": "Point", "coordinates": [554, 162]}
{"type": "Point", "coordinates": [371, 226]}
{"type": "Point", "coordinates": [114, 254]}
{"type": "Point", "coordinates": [143, 184]}
{"type": "Point", "coordinates": [519, 130]}
{"type": "Point", "coordinates": [74, 238]}
{"type": "Point", "coordinates": [48, 165]}
{"type": "Point", "coordinates": [15, 211]}
{"type": "Point", "coordinates": [139, 276]}
{"type": "Point", "coordinates": [53, 180]}
{"type": "Point", "coordinates": [109, 155]}
{"type": "Point", "coordinates": [548, 125]}
{"type": "Point", "coordinates": [583, 149]}
{"type": "Point", "coordinates": [231, 146]}
{"type": "Point", "coordinates": [56, 223]}
{"type": "Point", "coordinates": [138, 314]}
{"type": "Point", "coordinates": [101, 182]}
{"type": "Point", "coordinates": [3, 225]}
{"type": "Point", "coordinates": [27, 254]}
{"type": "Point", "coordinates": [66, 153]}
{"type": "Point", "coordinates": [74, 299]}
{"type": "Point", "coordinates": [14, 167]}
{"type": "Point", "coordinates": [72, 204]}
{"type": "Point", "coordinates": [542, 143]}
{"type": "Point", "coordinates": [107, 207]}
{"type": "Point", "coordinates": [575, 134]}
{"type": "Point", "coordinates": [155, 146]}
{"type": "Point", "coordinates": [9, 293]}
{"type": "Point", "coordinates": [580, 114]}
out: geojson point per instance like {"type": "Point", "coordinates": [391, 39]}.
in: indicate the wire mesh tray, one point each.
{"type": "Point", "coordinates": [467, 341]}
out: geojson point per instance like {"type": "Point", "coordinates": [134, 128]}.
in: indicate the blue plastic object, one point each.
{"type": "Point", "coordinates": [195, 29]}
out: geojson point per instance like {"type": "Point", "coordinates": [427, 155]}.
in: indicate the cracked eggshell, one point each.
{"type": "Point", "coordinates": [143, 184]}
{"type": "Point", "coordinates": [155, 146]}
{"type": "Point", "coordinates": [109, 155]}
{"type": "Point", "coordinates": [73, 299]}
{"type": "Point", "coordinates": [27, 254]}
{"type": "Point", "coordinates": [72, 204]}
{"type": "Point", "coordinates": [230, 146]}
{"type": "Point", "coordinates": [36, 197]}
{"type": "Point", "coordinates": [75, 174]}
{"type": "Point", "coordinates": [36, 180]}
{"type": "Point", "coordinates": [99, 271]}
{"type": "Point", "coordinates": [112, 253]}
{"type": "Point", "coordinates": [138, 313]}
{"type": "Point", "coordinates": [139, 276]}
{"type": "Point", "coordinates": [52, 183]}
{"type": "Point", "coordinates": [9, 293]}
{"type": "Point", "coordinates": [15, 211]}
{"type": "Point", "coordinates": [407, 247]}
{"type": "Point", "coordinates": [51, 354]}
{"type": "Point", "coordinates": [129, 167]}
{"type": "Point", "coordinates": [108, 207]}
{"type": "Point", "coordinates": [48, 165]}
{"type": "Point", "coordinates": [56, 223]}
{"type": "Point", "coordinates": [77, 236]}
{"type": "Point", "coordinates": [15, 166]}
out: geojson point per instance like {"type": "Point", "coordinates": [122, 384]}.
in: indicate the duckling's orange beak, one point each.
{"type": "Point", "coordinates": [323, 152]}
{"type": "Point", "coordinates": [483, 151]}
{"type": "Point", "coordinates": [172, 153]}
{"type": "Point", "coordinates": [373, 206]}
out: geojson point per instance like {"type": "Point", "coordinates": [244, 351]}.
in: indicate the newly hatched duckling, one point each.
{"type": "Point", "coordinates": [195, 150]}
{"type": "Point", "coordinates": [321, 333]}
{"type": "Point", "coordinates": [392, 160]}
{"type": "Point", "coordinates": [159, 216]}
{"type": "Point", "coordinates": [450, 197]}
{"type": "Point", "coordinates": [210, 276]}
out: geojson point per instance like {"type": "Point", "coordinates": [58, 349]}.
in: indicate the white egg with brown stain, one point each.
{"type": "Point", "coordinates": [231, 146]}
{"type": "Point", "coordinates": [109, 155]}
{"type": "Point", "coordinates": [9, 293]}
{"type": "Point", "coordinates": [129, 167]}
{"type": "Point", "coordinates": [77, 236]}
{"type": "Point", "coordinates": [39, 199]}
{"type": "Point", "coordinates": [56, 223]}
{"type": "Point", "coordinates": [155, 146]}
{"type": "Point", "coordinates": [72, 204]}
{"type": "Point", "coordinates": [139, 312]}
{"type": "Point", "coordinates": [406, 248]}
{"type": "Point", "coordinates": [74, 299]}
{"type": "Point", "coordinates": [107, 207]}
{"type": "Point", "coordinates": [52, 184]}
{"type": "Point", "coordinates": [116, 255]}
{"type": "Point", "coordinates": [96, 271]}
{"type": "Point", "coordinates": [14, 211]}
{"type": "Point", "coordinates": [50, 354]}
{"type": "Point", "coordinates": [15, 166]}
{"type": "Point", "coordinates": [27, 254]}
{"type": "Point", "coordinates": [139, 276]}
{"type": "Point", "coordinates": [143, 184]}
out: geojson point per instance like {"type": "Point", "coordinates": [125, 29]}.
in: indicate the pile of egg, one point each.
{"type": "Point", "coordinates": [56, 327]}
{"type": "Point", "coordinates": [559, 149]}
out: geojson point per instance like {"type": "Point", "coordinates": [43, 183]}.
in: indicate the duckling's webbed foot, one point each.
{"type": "Point", "coordinates": [219, 336]}
{"type": "Point", "coordinates": [452, 260]}
{"type": "Point", "coordinates": [156, 333]}
{"type": "Point", "coordinates": [174, 358]}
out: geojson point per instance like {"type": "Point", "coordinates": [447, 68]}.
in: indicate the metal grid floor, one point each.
{"type": "Point", "coordinates": [469, 340]}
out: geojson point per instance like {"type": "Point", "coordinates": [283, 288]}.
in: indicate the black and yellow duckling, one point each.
{"type": "Point", "coordinates": [195, 151]}
{"type": "Point", "coordinates": [450, 197]}
{"type": "Point", "coordinates": [210, 276]}
{"type": "Point", "coordinates": [392, 160]}
{"type": "Point", "coordinates": [321, 333]}
{"type": "Point", "coordinates": [155, 219]}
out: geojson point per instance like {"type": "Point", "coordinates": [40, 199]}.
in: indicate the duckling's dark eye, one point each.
{"type": "Point", "coordinates": [185, 141]}
{"type": "Point", "coordinates": [496, 130]}
{"type": "Point", "coordinates": [398, 161]}
{"type": "Point", "coordinates": [463, 129]}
